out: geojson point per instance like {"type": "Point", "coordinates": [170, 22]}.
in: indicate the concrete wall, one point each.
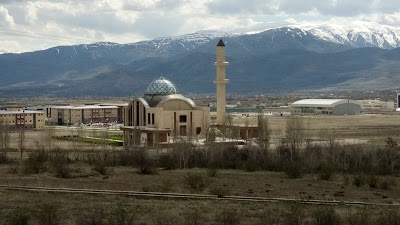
{"type": "Point", "coordinates": [349, 109]}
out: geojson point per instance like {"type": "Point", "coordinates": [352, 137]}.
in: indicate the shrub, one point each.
{"type": "Point", "coordinates": [360, 218]}
{"type": "Point", "coordinates": [194, 217]}
{"type": "Point", "coordinates": [212, 172]}
{"type": "Point", "coordinates": [121, 215]}
{"type": "Point", "coordinates": [326, 171]}
{"type": "Point", "coordinates": [18, 217]}
{"type": "Point", "coordinates": [251, 165]}
{"type": "Point", "coordinates": [195, 181]}
{"type": "Point", "coordinates": [48, 214]}
{"type": "Point", "coordinates": [326, 216]}
{"type": "Point", "coordinates": [3, 158]}
{"type": "Point", "coordinates": [143, 162]}
{"type": "Point", "coordinates": [227, 217]}
{"type": "Point", "coordinates": [61, 167]}
{"type": "Point", "coordinates": [294, 215]}
{"type": "Point", "coordinates": [35, 163]}
{"type": "Point", "coordinates": [96, 217]}
{"type": "Point", "coordinates": [293, 169]}
{"type": "Point", "coordinates": [165, 218]}
{"type": "Point", "coordinates": [168, 162]}
{"type": "Point", "coordinates": [373, 181]}
{"type": "Point", "coordinates": [126, 159]}
{"type": "Point", "coordinates": [384, 184]}
{"type": "Point", "coordinates": [267, 217]}
{"type": "Point", "coordinates": [101, 168]}
{"type": "Point", "coordinates": [13, 169]}
{"type": "Point", "coordinates": [358, 180]}
{"type": "Point", "coordinates": [345, 179]}
{"type": "Point", "coordinates": [389, 217]}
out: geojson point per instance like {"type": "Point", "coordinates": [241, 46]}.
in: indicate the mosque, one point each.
{"type": "Point", "coordinates": [163, 114]}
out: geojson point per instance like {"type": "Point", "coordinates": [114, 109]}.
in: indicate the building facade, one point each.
{"type": "Point", "coordinates": [86, 114]}
{"type": "Point", "coordinates": [377, 105]}
{"type": "Point", "coordinates": [162, 114]}
{"type": "Point", "coordinates": [22, 119]}
{"type": "Point", "coordinates": [326, 107]}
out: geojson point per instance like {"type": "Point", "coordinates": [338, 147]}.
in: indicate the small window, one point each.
{"type": "Point", "coordinates": [198, 130]}
{"type": "Point", "coordinates": [152, 117]}
{"type": "Point", "coordinates": [182, 118]}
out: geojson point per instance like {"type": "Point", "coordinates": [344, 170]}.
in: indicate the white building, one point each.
{"type": "Point", "coordinates": [376, 105]}
{"type": "Point", "coordinates": [326, 107]}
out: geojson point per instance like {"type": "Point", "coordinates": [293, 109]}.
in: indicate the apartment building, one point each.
{"type": "Point", "coordinates": [86, 114]}
{"type": "Point", "coordinates": [22, 119]}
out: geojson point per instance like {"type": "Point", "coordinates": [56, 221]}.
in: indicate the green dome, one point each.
{"type": "Point", "coordinates": [161, 86]}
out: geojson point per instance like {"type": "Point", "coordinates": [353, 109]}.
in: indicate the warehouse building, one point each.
{"type": "Point", "coordinates": [326, 107]}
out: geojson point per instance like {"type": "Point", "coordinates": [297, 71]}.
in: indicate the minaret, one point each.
{"type": "Point", "coordinates": [221, 82]}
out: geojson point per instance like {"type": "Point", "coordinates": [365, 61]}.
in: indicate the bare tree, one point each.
{"type": "Point", "coordinates": [47, 136]}
{"type": "Point", "coordinates": [264, 132]}
{"type": "Point", "coordinates": [4, 135]}
{"type": "Point", "coordinates": [294, 134]}
{"type": "Point", "coordinates": [21, 141]}
{"type": "Point", "coordinates": [182, 149]}
{"type": "Point", "coordinates": [104, 137]}
{"type": "Point", "coordinates": [329, 137]}
{"type": "Point", "coordinates": [226, 129]}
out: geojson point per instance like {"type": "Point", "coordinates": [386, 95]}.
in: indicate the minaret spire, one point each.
{"type": "Point", "coordinates": [221, 82]}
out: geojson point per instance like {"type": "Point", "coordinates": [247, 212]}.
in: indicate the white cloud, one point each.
{"type": "Point", "coordinates": [9, 46]}
{"type": "Point", "coordinates": [133, 20]}
{"type": "Point", "coordinates": [30, 16]}
{"type": "Point", "coordinates": [5, 19]}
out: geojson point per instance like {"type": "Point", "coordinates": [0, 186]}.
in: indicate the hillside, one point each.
{"type": "Point", "coordinates": [282, 59]}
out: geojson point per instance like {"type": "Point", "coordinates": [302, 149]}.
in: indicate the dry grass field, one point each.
{"type": "Point", "coordinates": [152, 211]}
{"type": "Point", "coordinates": [365, 127]}
{"type": "Point", "coordinates": [232, 182]}
{"type": "Point", "coordinates": [369, 129]}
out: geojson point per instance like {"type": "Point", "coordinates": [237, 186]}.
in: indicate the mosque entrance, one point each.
{"type": "Point", "coordinates": [182, 130]}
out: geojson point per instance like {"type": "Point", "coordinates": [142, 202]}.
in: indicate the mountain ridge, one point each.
{"type": "Point", "coordinates": [279, 59]}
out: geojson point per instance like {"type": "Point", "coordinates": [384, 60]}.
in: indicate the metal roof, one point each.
{"type": "Point", "coordinates": [321, 102]}
{"type": "Point", "coordinates": [161, 86]}
{"type": "Point", "coordinates": [154, 101]}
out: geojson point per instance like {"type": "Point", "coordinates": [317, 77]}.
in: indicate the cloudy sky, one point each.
{"type": "Point", "coordinates": [39, 24]}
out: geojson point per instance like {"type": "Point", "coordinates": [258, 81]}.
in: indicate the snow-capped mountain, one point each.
{"type": "Point", "coordinates": [358, 34]}
{"type": "Point", "coordinates": [182, 42]}
{"type": "Point", "coordinates": [264, 57]}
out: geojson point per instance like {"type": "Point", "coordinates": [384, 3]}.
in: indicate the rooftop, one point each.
{"type": "Point", "coordinates": [161, 86]}
{"type": "Point", "coordinates": [84, 107]}
{"type": "Point", "coordinates": [5, 112]}
{"type": "Point", "coordinates": [317, 101]}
